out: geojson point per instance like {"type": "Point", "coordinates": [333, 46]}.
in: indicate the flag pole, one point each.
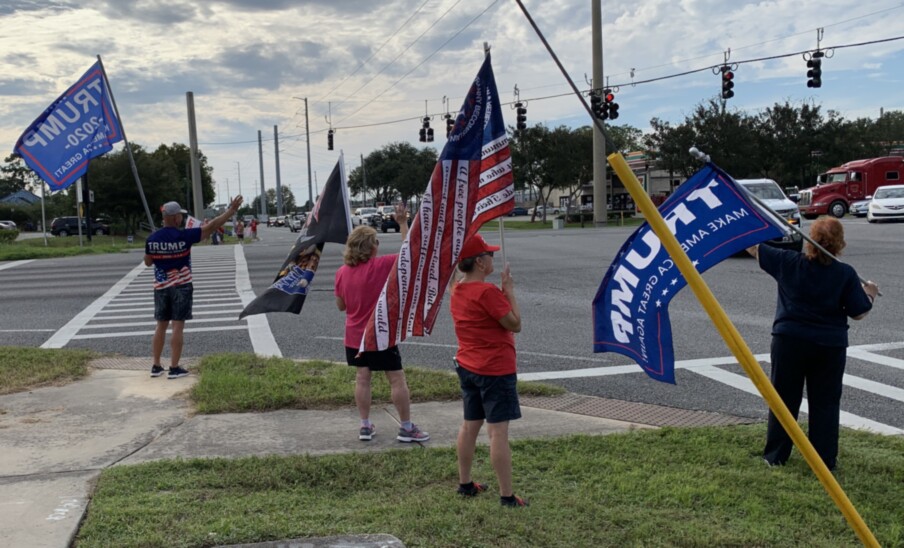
{"type": "Point", "coordinates": [718, 316]}
{"type": "Point", "coordinates": [128, 147]}
{"type": "Point", "coordinates": [740, 349]}
{"type": "Point", "coordinates": [486, 52]}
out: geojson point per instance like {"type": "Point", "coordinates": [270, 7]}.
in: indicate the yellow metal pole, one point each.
{"type": "Point", "coordinates": [739, 348]}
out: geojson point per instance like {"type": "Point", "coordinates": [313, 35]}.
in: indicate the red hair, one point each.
{"type": "Point", "coordinates": [829, 233]}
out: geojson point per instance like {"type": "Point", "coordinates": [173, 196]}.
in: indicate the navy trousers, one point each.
{"type": "Point", "coordinates": [795, 362]}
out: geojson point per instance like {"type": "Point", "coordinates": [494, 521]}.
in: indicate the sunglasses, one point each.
{"type": "Point", "coordinates": [490, 253]}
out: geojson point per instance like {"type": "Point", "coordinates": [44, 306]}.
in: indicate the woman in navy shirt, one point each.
{"type": "Point", "coordinates": [816, 296]}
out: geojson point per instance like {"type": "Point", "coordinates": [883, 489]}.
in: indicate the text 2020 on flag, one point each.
{"type": "Point", "coordinates": [329, 221]}
{"type": "Point", "coordinates": [78, 126]}
{"type": "Point", "coordinates": [471, 184]}
{"type": "Point", "coordinates": [712, 218]}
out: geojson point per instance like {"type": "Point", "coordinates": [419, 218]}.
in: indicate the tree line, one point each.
{"type": "Point", "coordinates": [791, 143]}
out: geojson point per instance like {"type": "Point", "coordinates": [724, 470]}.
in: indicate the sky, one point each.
{"type": "Point", "coordinates": [373, 69]}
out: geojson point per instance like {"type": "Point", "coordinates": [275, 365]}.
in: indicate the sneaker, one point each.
{"type": "Point", "coordinates": [176, 372]}
{"type": "Point", "coordinates": [472, 490]}
{"type": "Point", "coordinates": [156, 371]}
{"type": "Point", "coordinates": [517, 502]}
{"type": "Point", "coordinates": [367, 433]}
{"type": "Point", "coordinates": [415, 434]}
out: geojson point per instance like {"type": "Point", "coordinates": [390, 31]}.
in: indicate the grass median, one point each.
{"type": "Point", "coordinates": [27, 368]}
{"type": "Point", "coordinates": [668, 487]}
{"type": "Point", "coordinates": [34, 248]}
{"type": "Point", "coordinates": [239, 383]}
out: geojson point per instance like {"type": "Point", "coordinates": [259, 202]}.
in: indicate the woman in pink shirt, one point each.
{"type": "Point", "coordinates": [358, 285]}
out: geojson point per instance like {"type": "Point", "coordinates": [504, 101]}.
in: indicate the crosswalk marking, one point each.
{"type": "Point", "coordinates": [222, 288]}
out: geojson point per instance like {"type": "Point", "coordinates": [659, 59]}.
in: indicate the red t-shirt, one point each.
{"type": "Point", "coordinates": [360, 287]}
{"type": "Point", "coordinates": [484, 346]}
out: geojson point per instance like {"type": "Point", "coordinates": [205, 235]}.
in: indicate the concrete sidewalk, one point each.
{"type": "Point", "coordinates": [57, 440]}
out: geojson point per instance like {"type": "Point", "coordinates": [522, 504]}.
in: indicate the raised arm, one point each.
{"type": "Point", "coordinates": [217, 222]}
{"type": "Point", "coordinates": [512, 320]}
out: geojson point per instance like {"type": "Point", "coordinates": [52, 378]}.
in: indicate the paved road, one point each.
{"type": "Point", "coordinates": [104, 303]}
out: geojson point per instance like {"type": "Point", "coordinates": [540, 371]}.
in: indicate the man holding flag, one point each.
{"type": "Point", "coordinates": [169, 250]}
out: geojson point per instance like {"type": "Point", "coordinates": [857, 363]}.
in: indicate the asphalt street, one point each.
{"type": "Point", "coordinates": [104, 303]}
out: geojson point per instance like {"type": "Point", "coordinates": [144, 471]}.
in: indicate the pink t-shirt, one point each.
{"type": "Point", "coordinates": [360, 286]}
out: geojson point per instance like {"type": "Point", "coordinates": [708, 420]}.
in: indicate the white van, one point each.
{"type": "Point", "coordinates": [771, 195]}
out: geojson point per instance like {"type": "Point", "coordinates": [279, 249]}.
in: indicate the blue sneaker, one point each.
{"type": "Point", "coordinates": [367, 433]}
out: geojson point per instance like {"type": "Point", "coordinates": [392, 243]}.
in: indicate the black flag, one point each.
{"type": "Point", "coordinates": [329, 221]}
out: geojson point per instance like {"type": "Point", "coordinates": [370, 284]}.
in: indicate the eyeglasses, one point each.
{"type": "Point", "coordinates": [490, 253]}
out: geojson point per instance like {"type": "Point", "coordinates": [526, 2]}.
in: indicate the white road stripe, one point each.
{"type": "Point", "coordinates": [66, 333]}
{"type": "Point", "coordinates": [744, 384]}
{"type": "Point", "coordinates": [154, 323]}
{"type": "Point", "coordinates": [13, 264]}
{"type": "Point", "coordinates": [149, 314]}
{"type": "Point", "coordinates": [148, 333]}
{"type": "Point", "coordinates": [262, 339]}
{"type": "Point", "coordinates": [117, 304]}
{"type": "Point", "coordinates": [875, 358]}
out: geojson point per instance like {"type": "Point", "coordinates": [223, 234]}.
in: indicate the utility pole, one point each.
{"type": "Point", "coordinates": [195, 162]}
{"type": "Point", "coordinates": [600, 191]}
{"type": "Point", "coordinates": [238, 167]}
{"type": "Point", "coordinates": [364, 179]}
{"type": "Point", "coordinates": [307, 133]}
{"type": "Point", "coordinates": [260, 158]}
{"type": "Point", "coordinates": [279, 204]}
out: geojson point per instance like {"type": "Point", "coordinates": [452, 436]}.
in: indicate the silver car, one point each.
{"type": "Point", "coordinates": [859, 208]}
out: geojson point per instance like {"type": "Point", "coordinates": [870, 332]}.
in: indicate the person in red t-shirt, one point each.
{"type": "Point", "coordinates": [358, 285]}
{"type": "Point", "coordinates": [486, 319]}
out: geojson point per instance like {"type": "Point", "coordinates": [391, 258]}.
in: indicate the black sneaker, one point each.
{"type": "Point", "coordinates": [472, 490]}
{"type": "Point", "coordinates": [367, 432]}
{"type": "Point", "coordinates": [176, 373]}
{"type": "Point", "coordinates": [156, 371]}
{"type": "Point", "coordinates": [514, 501]}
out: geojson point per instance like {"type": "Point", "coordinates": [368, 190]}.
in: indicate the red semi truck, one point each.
{"type": "Point", "coordinates": [839, 186]}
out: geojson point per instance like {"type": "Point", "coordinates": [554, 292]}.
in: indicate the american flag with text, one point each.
{"type": "Point", "coordinates": [471, 184]}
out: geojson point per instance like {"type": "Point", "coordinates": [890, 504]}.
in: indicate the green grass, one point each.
{"type": "Point", "coordinates": [669, 487]}
{"type": "Point", "coordinates": [236, 383]}
{"type": "Point", "coordinates": [34, 248]}
{"type": "Point", "coordinates": [27, 368]}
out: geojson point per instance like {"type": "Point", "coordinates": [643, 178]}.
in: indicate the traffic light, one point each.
{"type": "Point", "coordinates": [425, 135]}
{"type": "Point", "coordinates": [611, 105]}
{"type": "Point", "coordinates": [450, 125]}
{"type": "Point", "coordinates": [727, 82]}
{"type": "Point", "coordinates": [815, 72]}
{"type": "Point", "coordinates": [596, 103]}
{"type": "Point", "coordinates": [329, 140]}
{"type": "Point", "coordinates": [521, 117]}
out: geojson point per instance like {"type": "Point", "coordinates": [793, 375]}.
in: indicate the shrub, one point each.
{"type": "Point", "coordinates": [7, 236]}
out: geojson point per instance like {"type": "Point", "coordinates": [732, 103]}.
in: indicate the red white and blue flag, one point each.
{"type": "Point", "coordinates": [712, 218]}
{"type": "Point", "coordinates": [78, 126]}
{"type": "Point", "coordinates": [471, 184]}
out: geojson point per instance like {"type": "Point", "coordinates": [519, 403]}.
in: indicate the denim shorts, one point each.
{"type": "Point", "coordinates": [490, 398]}
{"type": "Point", "coordinates": [380, 360]}
{"type": "Point", "coordinates": [173, 303]}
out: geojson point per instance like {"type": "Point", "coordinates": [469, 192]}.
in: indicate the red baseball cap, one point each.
{"type": "Point", "coordinates": [475, 246]}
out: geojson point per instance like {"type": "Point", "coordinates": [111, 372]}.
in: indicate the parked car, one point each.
{"type": "Point", "coordinates": [7, 225]}
{"type": "Point", "coordinates": [296, 221]}
{"type": "Point", "coordinates": [68, 226]}
{"type": "Point", "coordinates": [550, 210]}
{"type": "Point", "coordinates": [518, 211]}
{"type": "Point", "coordinates": [859, 208]}
{"type": "Point", "coordinates": [887, 204]}
{"type": "Point", "coordinates": [363, 215]}
{"type": "Point", "coordinates": [772, 196]}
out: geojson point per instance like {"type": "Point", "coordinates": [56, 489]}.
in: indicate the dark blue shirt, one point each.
{"type": "Point", "coordinates": [814, 300]}
{"type": "Point", "coordinates": [170, 248]}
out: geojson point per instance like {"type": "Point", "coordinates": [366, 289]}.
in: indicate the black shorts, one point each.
{"type": "Point", "coordinates": [490, 398]}
{"type": "Point", "coordinates": [381, 360]}
{"type": "Point", "coordinates": [173, 303]}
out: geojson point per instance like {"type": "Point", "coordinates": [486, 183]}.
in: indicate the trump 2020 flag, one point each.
{"type": "Point", "coordinates": [329, 221]}
{"type": "Point", "coordinates": [471, 184]}
{"type": "Point", "coordinates": [78, 126]}
{"type": "Point", "coordinates": [712, 218]}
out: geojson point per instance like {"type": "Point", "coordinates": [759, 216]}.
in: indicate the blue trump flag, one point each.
{"type": "Point", "coordinates": [712, 218]}
{"type": "Point", "coordinates": [78, 126]}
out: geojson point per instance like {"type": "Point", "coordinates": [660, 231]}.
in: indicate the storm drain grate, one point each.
{"type": "Point", "coordinates": [133, 364]}
{"type": "Point", "coordinates": [640, 413]}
